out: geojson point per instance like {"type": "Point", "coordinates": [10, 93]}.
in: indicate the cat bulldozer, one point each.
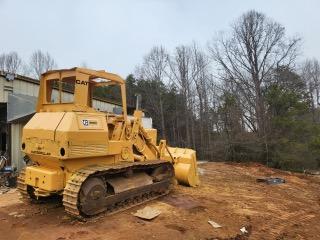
{"type": "Point", "coordinates": [96, 161]}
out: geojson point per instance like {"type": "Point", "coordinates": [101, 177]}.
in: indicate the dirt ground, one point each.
{"type": "Point", "coordinates": [229, 195]}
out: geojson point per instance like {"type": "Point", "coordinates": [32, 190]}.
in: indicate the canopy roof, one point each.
{"type": "Point", "coordinates": [96, 77]}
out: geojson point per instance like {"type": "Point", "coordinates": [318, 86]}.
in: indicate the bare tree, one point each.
{"type": "Point", "coordinates": [2, 62]}
{"type": "Point", "coordinates": [201, 77]}
{"type": "Point", "coordinates": [256, 47]}
{"type": "Point", "coordinates": [181, 74]}
{"type": "Point", "coordinates": [311, 76]}
{"type": "Point", "coordinates": [10, 62]}
{"type": "Point", "coordinates": [41, 62]}
{"type": "Point", "coordinates": [154, 68]}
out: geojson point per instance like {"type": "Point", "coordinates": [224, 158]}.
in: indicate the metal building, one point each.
{"type": "Point", "coordinates": [18, 96]}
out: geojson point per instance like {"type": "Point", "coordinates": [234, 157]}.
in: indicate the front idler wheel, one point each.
{"type": "Point", "coordinates": [92, 196]}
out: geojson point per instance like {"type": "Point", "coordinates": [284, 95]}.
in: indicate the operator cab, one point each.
{"type": "Point", "coordinates": [82, 83]}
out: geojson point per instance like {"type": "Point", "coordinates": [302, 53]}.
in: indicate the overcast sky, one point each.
{"type": "Point", "coordinates": [115, 35]}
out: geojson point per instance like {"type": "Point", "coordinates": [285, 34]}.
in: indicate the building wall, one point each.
{"type": "Point", "coordinates": [5, 88]}
{"type": "Point", "coordinates": [16, 86]}
{"type": "Point", "coordinates": [25, 88]}
{"type": "Point", "coordinates": [16, 153]}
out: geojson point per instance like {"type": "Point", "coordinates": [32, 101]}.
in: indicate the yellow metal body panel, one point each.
{"type": "Point", "coordinates": [48, 179]}
{"type": "Point", "coordinates": [35, 126]}
{"type": "Point", "coordinates": [152, 133]}
{"type": "Point", "coordinates": [64, 137]}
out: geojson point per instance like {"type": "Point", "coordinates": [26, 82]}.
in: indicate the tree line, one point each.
{"type": "Point", "coordinates": [243, 97]}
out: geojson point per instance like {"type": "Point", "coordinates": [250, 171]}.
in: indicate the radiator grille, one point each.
{"type": "Point", "coordinates": [87, 150]}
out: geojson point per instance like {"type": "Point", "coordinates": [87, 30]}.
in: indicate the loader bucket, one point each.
{"type": "Point", "coordinates": [185, 165]}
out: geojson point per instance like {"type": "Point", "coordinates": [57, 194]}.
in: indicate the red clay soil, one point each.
{"type": "Point", "coordinates": [229, 195]}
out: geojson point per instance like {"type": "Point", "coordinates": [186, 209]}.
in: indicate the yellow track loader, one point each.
{"type": "Point", "coordinates": [97, 161]}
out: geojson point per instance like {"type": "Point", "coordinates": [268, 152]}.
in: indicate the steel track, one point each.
{"type": "Point", "coordinates": [113, 203]}
{"type": "Point", "coordinates": [21, 186]}
{"type": "Point", "coordinates": [118, 202]}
